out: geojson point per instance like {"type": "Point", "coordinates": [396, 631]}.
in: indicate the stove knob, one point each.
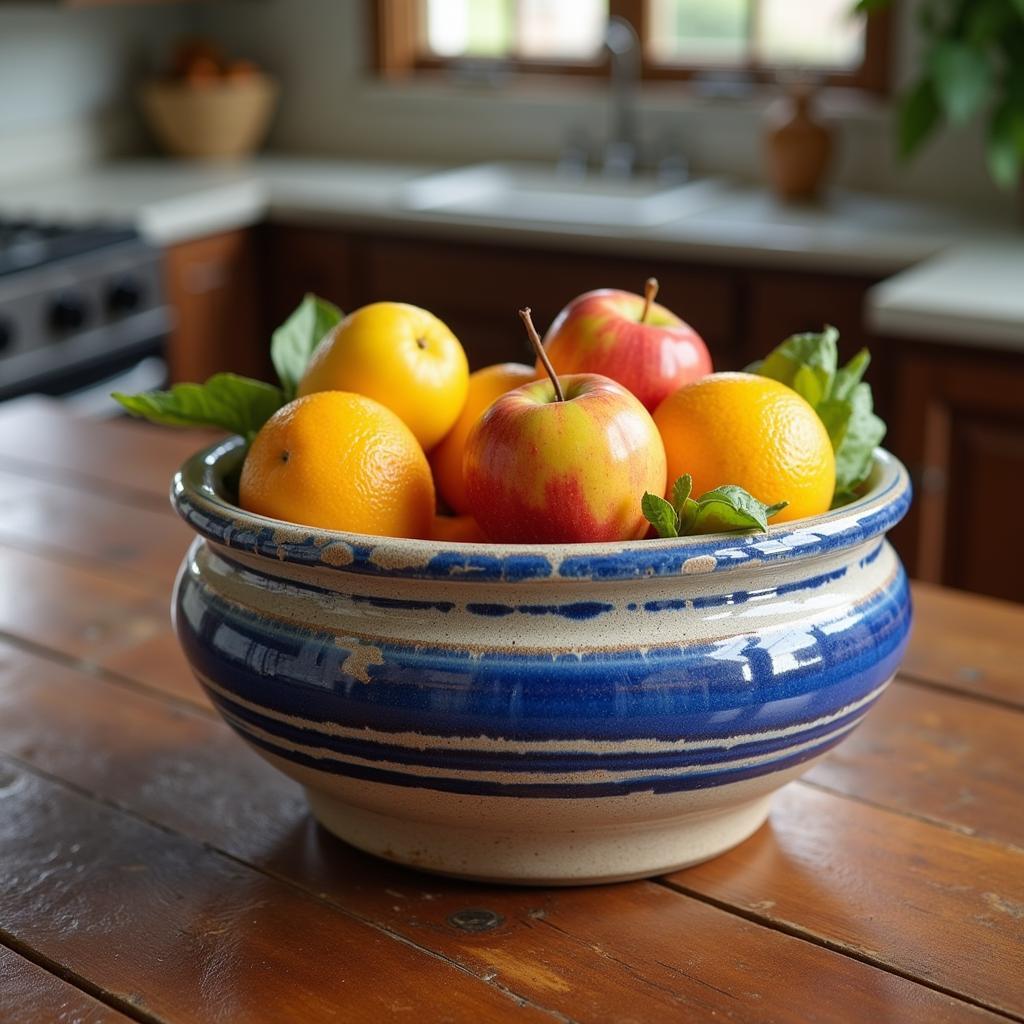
{"type": "Point", "coordinates": [68, 312]}
{"type": "Point", "coordinates": [124, 296]}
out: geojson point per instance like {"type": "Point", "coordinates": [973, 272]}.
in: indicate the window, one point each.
{"type": "Point", "coordinates": [680, 38]}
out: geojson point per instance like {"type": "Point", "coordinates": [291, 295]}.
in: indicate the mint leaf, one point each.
{"type": "Point", "coordinates": [805, 362]}
{"type": "Point", "coordinates": [660, 514]}
{"type": "Point", "coordinates": [730, 508]}
{"type": "Point", "coordinates": [236, 404]}
{"type": "Point", "coordinates": [723, 510]}
{"type": "Point", "coordinates": [294, 342]}
{"type": "Point", "coordinates": [681, 492]}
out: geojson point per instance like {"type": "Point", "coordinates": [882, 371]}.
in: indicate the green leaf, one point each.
{"type": "Point", "coordinates": [236, 404]}
{"type": "Point", "coordinates": [660, 514]}
{"type": "Point", "coordinates": [849, 376]}
{"type": "Point", "coordinates": [861, 432]}
{"type": "Point", "coordinates": [805, 362]}
{"type": "Point", "coordinates": [869, 6]}
{"type": "Point", "coordinates": [1019, 4]}
{"type": "Point", "coordinates": [962, 77]}
{"type": "Point", "coordinates": [919, 116]}
{"type": "Point", "coordinates": [1005, 148]}
{"type": "Point", "coordinates": [687, 516]}
{"type": "Point", "coordinates": [681, 492]}
{"type": "Point", "coordinates": [294, 342]}
{"type": "Point", "coordinates": [729, 508]}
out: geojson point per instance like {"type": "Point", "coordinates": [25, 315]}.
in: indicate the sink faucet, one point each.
{"type": "Point", "coordinates": [623, 44]}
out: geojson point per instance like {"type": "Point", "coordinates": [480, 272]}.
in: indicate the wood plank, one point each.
{"type": "Point", "coordinates": [967, 643]}
{"type": "Point", "coordinates": [185, 934]}
{"type": "Point", "coordinates": [92, 530]}
{"type": "Point", "coordinates": [126, 459]}
{"type": "Point", "coordinates": [937, 755]}
{"type": "Point", "coordinates": [634, 952]}
{"type": "Point", "coordinates": [922, 900]}
{"type": "Point", "coordinates": [157, 663]}
{"type": "Point", "coordinates": [31, 995]}
{"type": "Point", "coordinates": [71, 610]}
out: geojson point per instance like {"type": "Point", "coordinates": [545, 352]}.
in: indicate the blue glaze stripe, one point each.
{"type": "Point", "coordinates": [197, 487]}
{"type": "Point", "coordinates": [646, 782]}
{"type": "Point", "coordinates": [496, 753]}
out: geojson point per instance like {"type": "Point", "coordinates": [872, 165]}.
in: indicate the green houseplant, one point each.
{"type": "Point", "coordinates": [973, 66]}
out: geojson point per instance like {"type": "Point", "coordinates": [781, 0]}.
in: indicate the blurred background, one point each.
{"type": "Point", "coordinates": [174, 176]}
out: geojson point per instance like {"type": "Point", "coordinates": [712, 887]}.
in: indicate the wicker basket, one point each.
{"type": "Point", "coordinates": [213, 121]}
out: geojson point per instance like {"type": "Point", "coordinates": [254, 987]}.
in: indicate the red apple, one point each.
{"type": "Point", "coordinates": [563, 460]}
{"type": "Point", "coordinates": [630, 338]}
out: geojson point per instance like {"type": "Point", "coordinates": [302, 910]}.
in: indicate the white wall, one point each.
{"type": "Point", "coordinates": [66, 78]}
{"type": "Point", "coordinates": [67, 92]}
{"type": "Point", "coordinates": [331, 104]}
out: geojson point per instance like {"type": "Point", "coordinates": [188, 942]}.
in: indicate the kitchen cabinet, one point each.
{"type": "Point", "coordinates": [214, 285]}
{"type": "Point", "coordinates": [959, 427]}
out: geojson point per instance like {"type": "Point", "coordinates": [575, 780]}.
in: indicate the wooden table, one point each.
{"type": "Point", "coordinates": [153, 869]}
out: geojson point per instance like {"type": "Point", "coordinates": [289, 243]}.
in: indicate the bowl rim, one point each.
{"type": "Point", "coordinates": [196, 498]}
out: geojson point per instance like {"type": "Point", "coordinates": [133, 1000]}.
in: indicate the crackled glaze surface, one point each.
{"type": "Point", "coordinates": [541, 714]}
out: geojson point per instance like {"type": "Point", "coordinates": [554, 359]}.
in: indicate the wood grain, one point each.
{"type": "Point", "coordinates": [126, 459]}
{"type": "Point", "coordinates": [185, 934]}
{"type": "Point", "coordinates": [71, 610]}
{"type": "Point", "coordinates": [92, 530]}
{"type": "Point", "coordinates": [636, 952]}
{"type": "Point", "coordinates": [31, 995]}
{"type": "Point", "coordinates": [970, 644]}
{"type": "Point", "coordinates": [923, 900]}
{"type": "Point", "coordinates": [959, 761]}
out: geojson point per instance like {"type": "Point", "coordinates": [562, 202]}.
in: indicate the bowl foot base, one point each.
{"type": "Point", "coordinates": [572, 857]}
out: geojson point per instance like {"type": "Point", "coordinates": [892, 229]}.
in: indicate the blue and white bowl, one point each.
{"type": "Point", "coordinates": [541, 714]}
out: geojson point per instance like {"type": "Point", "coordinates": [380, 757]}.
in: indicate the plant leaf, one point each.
{"type": "Point", "coordinates": [236, 404]}
{"type": "Point", "coordinates": [681, 492]}
{"type": "Point", "coordinates": [1005, 147]}
{"type": "Point", "coordinates": [850, 375]}
{"type": "Point", "coordinates": [294, 342]}
{"type": "Point", "coordinates": [962, 76]}
{"type": "Point", "coordinates": [660, 514]}
{"type": "Point", "coordinates": [919, 116]}
{"type": "Point", "coordinates": [805, 362]}
{"type": "Point", "coordinates": [869, 6]}
{"type": "Point", "coordinates": [687, 516]}
{"type": "Point", "coordinates": [729, 508]}
{"type": "Point", "coordinates": [861, 432]}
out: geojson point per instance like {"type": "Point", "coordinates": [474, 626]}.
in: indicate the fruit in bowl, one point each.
{"type": "Point", "coordinates": [557, 713]}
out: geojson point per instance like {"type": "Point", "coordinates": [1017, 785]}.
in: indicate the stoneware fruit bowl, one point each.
{"type": "Point", "coordinates": [541, 714]}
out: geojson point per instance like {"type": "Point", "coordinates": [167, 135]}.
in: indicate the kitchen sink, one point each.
{"type": "Point", "coordinates": [539, 193]}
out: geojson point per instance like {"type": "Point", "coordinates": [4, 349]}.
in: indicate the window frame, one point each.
{"type": "Point", "coordinates": [397, 32]}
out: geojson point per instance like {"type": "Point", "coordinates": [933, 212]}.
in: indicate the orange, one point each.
{"type": "Point", "coordinates": [464, 529]}
{"type": "Point", "coordinates": [400, 355]}
{"type": "Point", "coordinates": [339, 461]}
{"type": "Point", "coordinates": [484, 387]}
{"type": "Point", "coordinates": [738, 428]}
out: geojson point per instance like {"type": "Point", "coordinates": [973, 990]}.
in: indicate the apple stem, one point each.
{"type": "Point", "coordinates": [524, 315]}
{"type": "Point", "coordinates": [650, 292]}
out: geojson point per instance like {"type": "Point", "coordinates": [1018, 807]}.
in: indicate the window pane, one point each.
{"type": "Point", "coordinates": [561, 28]}
{"type": "Point", "coordinates": [699, 31]}
{"type": "Point", "coordinates": [470, 28]}
{"type": "Point", "coordinates": [818, 34]}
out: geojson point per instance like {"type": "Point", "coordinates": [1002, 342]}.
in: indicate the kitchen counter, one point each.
{"type": "Point", "coordinates": [957, 279]}
{"type": "Point", "coordinates": [154, 869]}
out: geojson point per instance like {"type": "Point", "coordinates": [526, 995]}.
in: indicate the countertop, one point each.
{"type": "Point", "coordinates": [956, 278]}
{"type": "Point", "coordinates": [154, 869]}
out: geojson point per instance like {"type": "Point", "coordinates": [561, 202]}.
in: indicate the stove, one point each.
{"type": "Point", "coordinates": [79, 307]}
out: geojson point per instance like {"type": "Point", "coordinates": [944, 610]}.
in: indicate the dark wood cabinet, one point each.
{"type": "Point", "coordinates": [477, 290]}
{"type": "Point", "coordinates": [959, 427]}
{"type": "Point", "coordinates": [214, 286]}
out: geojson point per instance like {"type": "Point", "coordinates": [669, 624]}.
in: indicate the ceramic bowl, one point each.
{"type": "Point", "coordinates": [540, 714]}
